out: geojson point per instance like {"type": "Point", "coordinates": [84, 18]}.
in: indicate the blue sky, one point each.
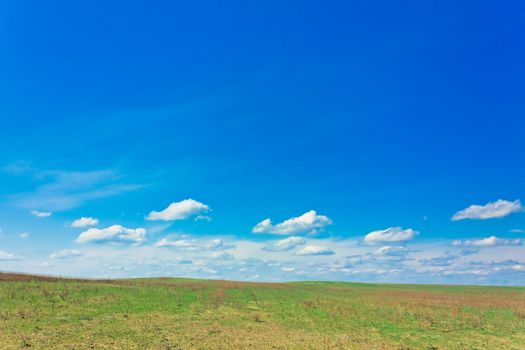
{"type": "Point", "coordinates": [365, 131]}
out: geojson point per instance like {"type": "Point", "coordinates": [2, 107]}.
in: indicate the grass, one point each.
{"type": "Point", "coordinates": [172, 313]}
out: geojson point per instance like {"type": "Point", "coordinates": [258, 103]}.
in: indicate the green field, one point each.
{"type": "Point", "coordinates": [171, 313]}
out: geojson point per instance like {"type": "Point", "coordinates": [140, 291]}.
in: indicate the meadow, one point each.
{"type": "Point", "coordinates": [173, 313]}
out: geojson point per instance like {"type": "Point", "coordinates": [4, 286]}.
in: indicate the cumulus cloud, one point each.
{"type": "Point", "coordinates": [5, 256]}
{"type": "Point", "coordinates": [179, 211]}
{"type": "Point", "coordinates": [309, 222]}
{"type": "Point", "coordinates": [115, 233]}
{"type": "Point", "coordinates": [391, 234]}
{"type": "Point", "coordinates": [84, 222]}
{"type": "Point", "coordinates": [491, 210]}
{"type": "Point", "coordinates": [65, 254]}
{"type": "Point", "coordinates": [41, 214]}
{"type": "Point", "coordinates": [24, 235]}
{"type": "Point", "coordinates": [491, 241]}
{"type": "Point", "coordinates": [315, 250]}
{"type": "Point", "coordinates": [284, 244]}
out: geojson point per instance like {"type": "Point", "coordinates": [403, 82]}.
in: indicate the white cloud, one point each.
{"type": "Point", "coordinates": [445, 260]}
{"type": "Point", "coordinates": [221, 255]}
{"type": "Point", "coordinates": [391, 234]}
{"type": "Point", "coordinates": [5, 256]}
{"type": "Point", "coordinates": [194, 244]}
{"type": "Point", "coordinates": [179, 210]}
{"type": "Point", "coordinates": [208, 270]}
{"type": "Point", "coordinates": [491, 210]}
{"type": "Point", "coordinates": [284, 244]}
{"type": "Point", "coordinates": [115, 233]}
{"type": "Point", "coordinates": [356, 260]}
{"type": "Point", "coordinates": [315, 250]}
{"type": "Point", "coordinates": [218, 243]}
{"type": "Point", "coordinates": [180, 243]}
{"type": "Point", "coordinates": [65, 254]}
{"type": "Point", "coordinates": [466, 272]}
{"type": "Point", "coordinates": [391, 250]}
{"type": "Point", "coordinates": [41, 214]}
{"type": "Point", "coordinates": [420, 262]}
{"type": "Point", "coordinates": [24, 235]}
{"type": "Point", "coordinates": [84, 222]}
{"type": "Point", "coordinates": [384, 256]}
{"type": "Point", "coordinates": [309, 222]}
{"type": "Point", "coordinates": [491, 241]}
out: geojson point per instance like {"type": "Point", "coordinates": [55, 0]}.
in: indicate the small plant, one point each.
{"type": "Point", "coordinates": [22, 313]}
{"type": "Point", "coordinates": [258, 317]}
{"type": "Point", "coordinates": [218, 297]}
{"type": "Point", "coordinates": [26, 343]}
{"type": "Point", "coordinates": [309, 303]}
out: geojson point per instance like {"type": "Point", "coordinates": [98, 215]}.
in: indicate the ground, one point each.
{"type": "Point", "coordinates": [173, 313]}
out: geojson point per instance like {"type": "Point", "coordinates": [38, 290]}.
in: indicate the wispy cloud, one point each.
{"type": "Point", "coordinates": [445, 260]}
{"type": "Point", "coordinates": [328, 259]}
{"type": "Point", "coordinates": [222, 255]}
{"type": "Point", "coordinates": [309, 222]}
{"type": "Point", "coordinates": [391, 251]}
{"type": "Point", "coordinates": [202, 218]}
{"type": "Point", "coordinates": [66, 254]}
{"type": "Point", "coordinates": [41, 214]}
{"type": "Point", "coordinates": [5, 256]}
{"type": "Point", "coordinates": [180, 211]}
{"type": "Point", "coordinates": [491, 210]}
{"type": "Point", "coordinates": [194, 244]}
{"type": "Point", "coordinates": [385, 256]}
{"type": "Point", "coordinates": [284, 244]}
{"type": "Point", "coordinates": [17, 168]}
{"type": "Point", "coordinates": [62, 190]}
{"type": "Point", "coordinates": [491, 241]}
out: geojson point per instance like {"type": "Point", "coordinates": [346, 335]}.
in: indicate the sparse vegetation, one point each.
{"type": "Point", "coordinates": [172, 313]}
